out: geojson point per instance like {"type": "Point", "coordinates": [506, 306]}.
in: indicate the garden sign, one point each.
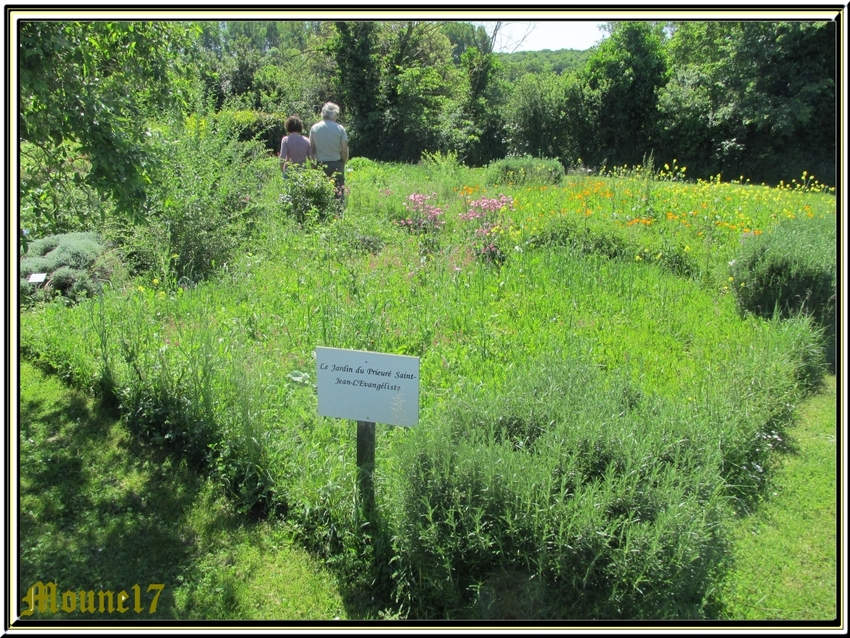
{"type": "Point", "coordinates": [368, 386]}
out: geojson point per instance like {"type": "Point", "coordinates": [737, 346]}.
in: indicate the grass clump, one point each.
{"type": "Point", "coordinates": [576, 497]}
{"type": "Point", "coordinates": [789, 270]}
{"type": "Point", "coordinates": [519, 171]}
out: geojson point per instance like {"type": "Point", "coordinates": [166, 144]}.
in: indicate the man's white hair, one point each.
{"type": "Point", "coordinates": [330, 111]}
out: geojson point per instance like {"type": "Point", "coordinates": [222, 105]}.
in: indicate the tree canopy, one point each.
{"type": "Point", "coordinates": [743, 98]}
{"type": "Point", "coordinates": [90, 87]}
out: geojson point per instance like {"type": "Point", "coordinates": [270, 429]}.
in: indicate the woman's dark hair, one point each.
{"type": "Point", "coordinates": [293, 124]}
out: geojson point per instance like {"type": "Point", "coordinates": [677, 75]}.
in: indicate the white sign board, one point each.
{"type": "Point", "coordinates": [37, 277]}
{"type": "Point", "coordinates": [368, 386]}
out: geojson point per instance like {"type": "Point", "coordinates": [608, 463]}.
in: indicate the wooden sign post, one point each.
{"type": "Point", "coordinates": [368, 387]}
{"type": "Point", "coordinates": [366, 461]}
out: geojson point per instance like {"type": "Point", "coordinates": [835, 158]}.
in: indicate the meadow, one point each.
{"type": "Point", "coordinates": [597, 409]}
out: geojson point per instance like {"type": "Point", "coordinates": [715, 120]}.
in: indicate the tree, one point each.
{"type": "Point", "coordinates": [626, 70]}
{"type": "Point", "coordinates": [752, 98]}
{"type": "Point", "coordinates": [354, 48]}
{"type": "Point", "coordinates": [551, 116]}
{"type": "Point", "coordinates": [536, 116]}
{"type": "Point", "coordinates": [393, 80]}
{"type": "Point", "coordinates": [88, 88]}
{"type": "Point", "coordinates": [464, 35]}
{"type": "Point", "coordinates": [482, 108]}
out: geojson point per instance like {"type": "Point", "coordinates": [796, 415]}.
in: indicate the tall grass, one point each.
{"type": "Point", "coordinates": [590, 419]}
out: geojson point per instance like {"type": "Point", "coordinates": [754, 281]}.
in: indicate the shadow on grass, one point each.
{"type": "Point", "coordinates": [99, 511]}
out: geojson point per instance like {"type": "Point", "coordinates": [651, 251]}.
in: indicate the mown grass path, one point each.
{"type": "Point", "coordinates": [785, 552]}
{"type": "Point", "coordinates": [99, 511]}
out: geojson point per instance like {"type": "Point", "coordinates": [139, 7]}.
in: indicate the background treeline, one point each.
{"type": "Point", "coordinates": [738, 98]}
{"type": "Point", "coordinates": [742, 99]}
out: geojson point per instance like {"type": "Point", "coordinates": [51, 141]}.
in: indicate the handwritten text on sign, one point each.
{"type": "Point", "coordinates": [368, 386]}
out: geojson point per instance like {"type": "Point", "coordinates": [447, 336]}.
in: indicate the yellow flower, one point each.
{"type": "Point", "coordinates": [140, 288]}
{"type": "Point", "coordinates": [155, 281]}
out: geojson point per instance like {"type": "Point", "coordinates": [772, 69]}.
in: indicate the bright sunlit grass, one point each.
{"type": "Point", "coordinates": [594, 406]}
{"type": "Point", "coordinates": [785, 553]}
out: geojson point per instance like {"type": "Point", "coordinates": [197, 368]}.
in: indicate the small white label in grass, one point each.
{"type": "Point", "coordinates": [37, 277]}
{"type": "Point", "coordinates": [368, 386]}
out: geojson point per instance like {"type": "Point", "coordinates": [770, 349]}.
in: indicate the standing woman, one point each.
{"type": "Point", "coordinates": [294, 147]}
{"type": "Point", "coordinates": [330, 146]}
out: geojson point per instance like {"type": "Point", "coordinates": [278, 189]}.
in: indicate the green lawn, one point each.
{"type": "Point", "coordinates": [99, 511]}
{"type": "Point", "coordinates": [785, 552]}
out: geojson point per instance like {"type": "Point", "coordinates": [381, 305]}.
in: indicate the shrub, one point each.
{"type": "Point", "coordinates": [570, 233]}
{"type": "Point", "coordinates": [72, 263]}
{"type": "Point", "coordinates": [612, 503]}
{"type": "Point", "coordinates": [266, 128]}
{"type": "Point", "coordinates": [524, 170]}
{"type": "Point", "coordinates": [202, 206]}
{"type": "Point", "coordinates": [309, 196]}
{"type": "Point", "coordinates": [788, 270]}
{"type": "Point", "coordinates": [442, 166]}
{"type": "Point", "coordinates": [358, 163]}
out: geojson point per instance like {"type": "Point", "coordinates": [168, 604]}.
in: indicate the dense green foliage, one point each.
{"type": "Point", "coordinates": [357, 81]}
{"type": "Point", "coordinates": [790, 270]}
{"type": "Point", "coordinates": [748, 99]}
{"type": "Point", "coordinates": [624, 74]}
{"type": "Point", "coordinates": [88, 88]}
{"type": "Point", "coordinates": [594, 406]}
{"type": "Point", "coordinates": [308, 196]}
{"type": "Point", "coordinates": [201, 205]}
{"type": "Point", "coordinates": [751, 98]}
{"type": "Point", "coordinates": [267, 128]}
{"type": "Point", "coordinates": [517, 480]}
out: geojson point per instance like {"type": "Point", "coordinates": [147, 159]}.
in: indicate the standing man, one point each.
{"type": "Point", "coordinates": [330, 146]}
